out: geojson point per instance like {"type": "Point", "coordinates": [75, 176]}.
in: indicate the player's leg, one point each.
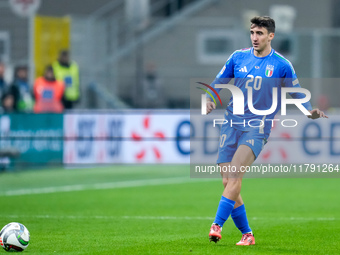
{"type": "Point", "coordinates": [254, 141]}
{"type": "Point", "coordinates": [238, 214]}
{"type": "Point", "coordinates": [244, 156]}
{"type": "Point", "coordinates": [239, 200]}
{"type": "Point", "coordinates": [224, 210]}
{"type": "Point", "coordinates": [227, 148]}
{"type": "Point", "coordinates": [240, 219]}
{"type": "Point", "coordinates": [232, 181]}
{"type": "Point", "coordinates": [215, 231]}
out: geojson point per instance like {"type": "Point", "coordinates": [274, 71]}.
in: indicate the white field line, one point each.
{"type": "Point", "coordinates": [100, 186]}
{"type": "Point", "coordinates": [98, 217]}
{"type": "Point", "coordinates": [211, 218]}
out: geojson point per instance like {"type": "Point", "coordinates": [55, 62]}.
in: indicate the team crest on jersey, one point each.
{"type": "Point", "coordinates": [269, 70]}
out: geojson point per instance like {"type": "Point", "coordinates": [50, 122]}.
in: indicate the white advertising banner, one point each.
{"type": "Point", "coordinates": [126, 138]}
{"type": "Point", "coordinates": [311, 141]}
{"type": "Point", "coordinates": [155, 137]}
{"type": "Point", "coordinates": [92, 138]}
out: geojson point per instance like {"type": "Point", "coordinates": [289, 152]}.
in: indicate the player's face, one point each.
{"type": "Point", "coordinates": [260, 38]}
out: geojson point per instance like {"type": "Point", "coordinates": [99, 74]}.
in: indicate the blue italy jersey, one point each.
{"type": "Point", "coordinates": [262, 74]}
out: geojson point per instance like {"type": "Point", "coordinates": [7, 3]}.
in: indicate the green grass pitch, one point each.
{"type": "Point", "coordinates": [160, 210]}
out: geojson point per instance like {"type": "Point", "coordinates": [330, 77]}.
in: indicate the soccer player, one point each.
{"type": "Point", "coordinates": [261, 69]}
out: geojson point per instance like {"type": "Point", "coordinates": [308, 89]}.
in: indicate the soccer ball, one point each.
{"type": "Point", "coordinates": [14, 237]}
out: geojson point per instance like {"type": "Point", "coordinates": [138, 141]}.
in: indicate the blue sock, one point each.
{"type": "Point", "coordinates": [224, 210]}
{"type": "Point", "coordinates": [239, 217]}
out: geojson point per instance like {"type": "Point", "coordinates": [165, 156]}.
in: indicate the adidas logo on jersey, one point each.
{"type": "Point", "coordinates": [243, 69]}
{"type": "Point", "coordinates": [251, 141]}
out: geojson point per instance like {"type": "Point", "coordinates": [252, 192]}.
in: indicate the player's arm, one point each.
{"type": "Point", "coordinates": [317, 113]}
{"type": "Point", "coordinates": [291, 80]}
{"type": "Point", "coordinates": [210, 105]}
{"type": "Point", "coordinates": [314, 113]}
{"type": "Point", "coordinates": [223, 77]}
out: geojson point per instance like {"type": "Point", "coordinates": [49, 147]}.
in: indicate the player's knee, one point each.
{"type": "Point", "coordinates": [235, 171]}
{"type": "Point", "coordinates": [236, 166]}
{"type": "Point", "coordinates": [234, 183]}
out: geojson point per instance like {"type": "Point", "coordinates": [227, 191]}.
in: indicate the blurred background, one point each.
{"type": "Point", "coordinates": [99, 101]}
{"type": "Point", "coordinates": [127, 66]}
{"type": "Point", "coordinates": [142, 54]}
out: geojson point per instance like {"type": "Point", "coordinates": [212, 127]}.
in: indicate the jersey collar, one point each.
{"type": "Point", "coordinates": [270, 54]}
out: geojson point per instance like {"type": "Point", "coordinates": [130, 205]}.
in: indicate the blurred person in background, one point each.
{"type": "Point", "coordinates": [8, 102]}
{"type": "Point", "coordinates": [6, 93]}
{"type": "Point", "coordinates": [20, 89]}
{"type": "Point", "coordinates": [67, 71]}
{"type": "Point", "coordinates": [48, 93]}
{"type": "Point", "coordinates": [152, 88]}
{"type": "Point", "coordinates": [3, 84]}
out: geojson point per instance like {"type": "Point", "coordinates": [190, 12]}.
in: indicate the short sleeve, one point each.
{"type": "Point", "coordinates": [227, 70]}
{"type": "Point", "coordinates": [290, 78]}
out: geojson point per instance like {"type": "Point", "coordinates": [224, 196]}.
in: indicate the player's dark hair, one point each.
{"type": "Point", "coordinates": [49, 68]}
{"type": "Point", "coordinates": [264, 21]}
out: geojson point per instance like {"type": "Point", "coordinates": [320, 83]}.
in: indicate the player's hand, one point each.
{"type": "Point", "coordinates": [316, 113]}
{"type": "Point", "coordinates": [210, 105]}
